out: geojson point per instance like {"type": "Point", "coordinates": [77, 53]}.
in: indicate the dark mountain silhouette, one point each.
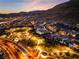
{"type": "Point", "coordinates": [31, 13]}
{"type": "Point", "coordinates": [66, 12]}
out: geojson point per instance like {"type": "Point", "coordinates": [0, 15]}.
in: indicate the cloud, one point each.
{"type": "Point", "coordinates": [38, 5]}
{"type": "Point", "coordinates": [28, 5]}
{"type": "Point", "coordinates": [7, 11]}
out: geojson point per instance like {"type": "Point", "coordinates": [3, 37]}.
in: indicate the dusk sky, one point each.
{"type": "Point", "coordinates": [10, 6]}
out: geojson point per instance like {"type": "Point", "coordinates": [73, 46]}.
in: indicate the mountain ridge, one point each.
{"type": "Point", "coordinates": [66, 12]}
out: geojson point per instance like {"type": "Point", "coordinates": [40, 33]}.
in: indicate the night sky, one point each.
{"type": "Point", "coordinates": [10, 6]}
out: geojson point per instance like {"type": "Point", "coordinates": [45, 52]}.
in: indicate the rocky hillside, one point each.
{"type": "Point", "coordinates": [68, 12]}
